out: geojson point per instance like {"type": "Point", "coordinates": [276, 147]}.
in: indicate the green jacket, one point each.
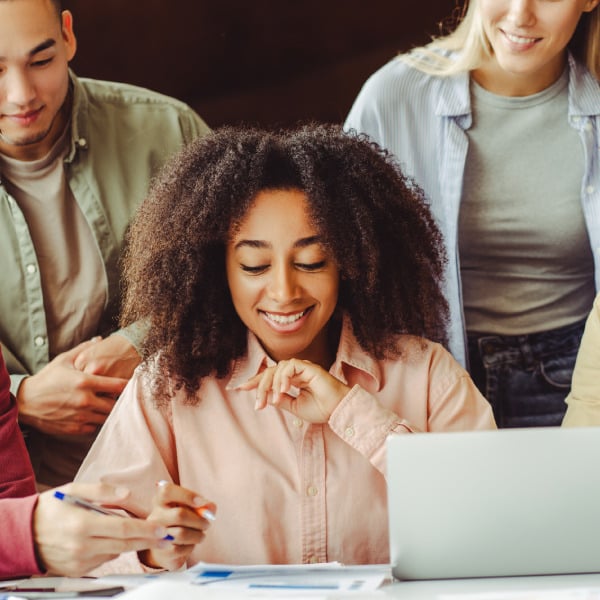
{"type": "Point", "coordinates": [120, 136]}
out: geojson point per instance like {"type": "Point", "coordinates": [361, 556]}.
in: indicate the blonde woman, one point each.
{"type": "Point", "coordinates": [498, 123]}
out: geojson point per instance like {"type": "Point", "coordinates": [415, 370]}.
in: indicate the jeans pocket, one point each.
{"type": "Point", "coordinates": [558, 372]}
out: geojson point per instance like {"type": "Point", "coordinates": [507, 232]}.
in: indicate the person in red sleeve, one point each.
{"type": "Point", "coordinates": [41, 534]}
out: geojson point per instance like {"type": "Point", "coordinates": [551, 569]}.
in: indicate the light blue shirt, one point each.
{"type": "Point", "coordinates": [423, 119]}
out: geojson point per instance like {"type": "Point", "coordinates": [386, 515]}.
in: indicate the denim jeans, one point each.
{"type": "Point", "coordinates": [526, 377]}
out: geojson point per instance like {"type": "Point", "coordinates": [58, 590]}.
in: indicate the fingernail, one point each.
{"type": "Point", "coordinates": [121, 491]}
{"type": "Point", "coordinates": [257, 405]}
{"type": "Point", "coordinates": [208, 514]}
{"type": "Point", "coordinates": [162, 483]}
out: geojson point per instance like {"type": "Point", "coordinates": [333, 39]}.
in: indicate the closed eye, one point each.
{"type": "Point", "coordinates": [254, 270]}
{"type": "Point", "coordinates": [311, 266]}
{"type": "Point", "coordinates": [41, 63]}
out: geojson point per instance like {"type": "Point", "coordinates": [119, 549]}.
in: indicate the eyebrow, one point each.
{"type": "Point", "coordinates": [301, 243]}
{"type": "Point", "coordinates": [49, 43]}
{"type": "Point", "coordinates": [43, 46]}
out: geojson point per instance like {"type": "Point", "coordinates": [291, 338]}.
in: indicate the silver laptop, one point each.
{"type": "Point", "coordinates": [494, 503]}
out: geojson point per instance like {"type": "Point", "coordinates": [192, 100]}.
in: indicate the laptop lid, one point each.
{"type": "Point", "coordinates": [494, 503]}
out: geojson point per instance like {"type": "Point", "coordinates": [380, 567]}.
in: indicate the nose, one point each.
{"type": "Point", "coordinates": [521, 13]}
{"type": "Point", "coordinates": [19, 88]}
{"type": "Point", "coordinates": [283, 284]}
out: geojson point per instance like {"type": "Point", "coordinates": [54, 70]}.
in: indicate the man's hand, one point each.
{"type": "Point", "coordinates": [72, 541]}
{"type": "Point", "coordinates": [114, 356]}
{"type": "Point", "coordinates": [61, 399]}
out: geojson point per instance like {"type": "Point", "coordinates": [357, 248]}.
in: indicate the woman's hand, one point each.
{"type": "Point", "coordinates": [319, 391]}
{"type": "Point", "coordinates": [180, 510]}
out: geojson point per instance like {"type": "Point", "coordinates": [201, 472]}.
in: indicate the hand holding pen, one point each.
{"type": "Point", "coordinates": [187, 515]}
{"type": "Point", "coordinates": [71, 541]}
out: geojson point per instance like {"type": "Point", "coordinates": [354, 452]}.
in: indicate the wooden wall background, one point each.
{"type": "Point", "coordinates": [265, 62]}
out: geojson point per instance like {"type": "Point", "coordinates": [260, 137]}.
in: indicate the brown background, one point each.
{"type": "Point", "coordinates": [265, 62]}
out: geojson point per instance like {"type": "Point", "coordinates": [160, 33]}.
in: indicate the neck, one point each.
{"type": "Point", "coordinates": [496, 80]}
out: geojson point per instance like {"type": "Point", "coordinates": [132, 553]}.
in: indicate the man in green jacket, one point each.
{"type": "Point", "coordinates": [76, 158]}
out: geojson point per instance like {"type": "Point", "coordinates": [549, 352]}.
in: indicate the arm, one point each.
{"type": "Point", "coordinates": [583, 402]}
{"type": "Point", "coordinates": [17, 551]}
{"type": "Point", "coordinates": [16, 474]}
{"type": "Point", "coordinates": [352, 413]}
{"type": "Point", "coordinates": [436, 384]}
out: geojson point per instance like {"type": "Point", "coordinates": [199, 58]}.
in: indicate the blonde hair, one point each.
{"type": "Point", "coordinates": [467, 46]}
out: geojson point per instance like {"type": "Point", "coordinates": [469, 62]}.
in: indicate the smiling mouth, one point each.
{"type": "Point", "coordinates": [285, 319]}
{"type": "Point", "coordinates": [26, 116]}
{"type": "Point", "coordinates": [519, 39]}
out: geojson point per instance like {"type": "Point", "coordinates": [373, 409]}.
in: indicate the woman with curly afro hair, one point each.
{"type": "Point", "coordinates": [289, 287]}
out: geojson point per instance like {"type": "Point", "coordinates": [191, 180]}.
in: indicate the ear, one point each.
{"type": "Point", "coordinates": [590, 5]}
{"type": "Point", "coordinates": [68, 35]}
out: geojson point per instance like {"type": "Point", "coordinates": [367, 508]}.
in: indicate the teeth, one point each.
{"type": "Point", "coordinates": [285, 319]}
{"type": "Point", "coordinates": [518, 39]}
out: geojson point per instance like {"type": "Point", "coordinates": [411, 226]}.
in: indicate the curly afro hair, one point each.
{"type": "Point", "coordinates": [375, 224]}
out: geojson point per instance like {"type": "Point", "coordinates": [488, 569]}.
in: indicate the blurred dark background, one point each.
{"type": "Point", "coordinates": [262, 62]}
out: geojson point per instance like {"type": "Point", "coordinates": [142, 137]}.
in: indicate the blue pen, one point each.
{"type": "Point", "coordinates": [76, 501]}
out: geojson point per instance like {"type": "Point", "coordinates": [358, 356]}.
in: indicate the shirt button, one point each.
{"type": "Point", "coordinates": [82, 142]}
{"type": "Point", "coordinates": [312, 491]}
{"type": "Point", "coordinates": [349, 432]}
{"type": "Point", "coordinates": [589, 189]}
{"type": "Point", "coordinates": [575, 120]}
{"type": "Point", "coordinates": [298, 422]}
{"type": "Point", "coordinates": [31, 269]}
{"type": "Point", "coordinates": [39, 341]}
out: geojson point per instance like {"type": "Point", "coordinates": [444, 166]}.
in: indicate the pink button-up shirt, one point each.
{"type": "Point", "coordinates": [287, 491]}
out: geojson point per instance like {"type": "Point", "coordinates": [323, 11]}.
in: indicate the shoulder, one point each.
{"type": "Point", "coordinates": [98, 100]}
{"type": "Point", "coordinates": [425, 360]}
{"type": "Point", "coordinates": [397, 76]}
{"type": "Point", "coordinates": [399, 92]}
{"type": "Point", "coordinates": [124, 93]}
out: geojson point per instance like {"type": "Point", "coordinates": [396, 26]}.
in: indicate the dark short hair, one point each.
{"type": "Point", "coordinates": [58, 6]}
{"type": "Point", "coordinates": [375, 224]}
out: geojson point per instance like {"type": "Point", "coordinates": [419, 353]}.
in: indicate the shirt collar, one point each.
{"type": "Point", "coordinates": [454, 98]}
{"type": "Point", "coordinates": [584, 90]}
{"type": "Point", "coordinates": [349, 356]}
{"type": "Point", "coordinates": [79, 116]}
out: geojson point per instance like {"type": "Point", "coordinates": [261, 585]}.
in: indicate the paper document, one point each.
{"type": "Point", "coordinates": [209, 579]}
{"type": "Point", "coordinates": [318, 578]}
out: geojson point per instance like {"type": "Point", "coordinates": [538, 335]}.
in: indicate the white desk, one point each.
{"type": "Point", "coordinates": [421, 590]}
{"type": "Point", "coordinates": [406, 590]}
{"type": "Point", "coordinates": [519, 588]}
